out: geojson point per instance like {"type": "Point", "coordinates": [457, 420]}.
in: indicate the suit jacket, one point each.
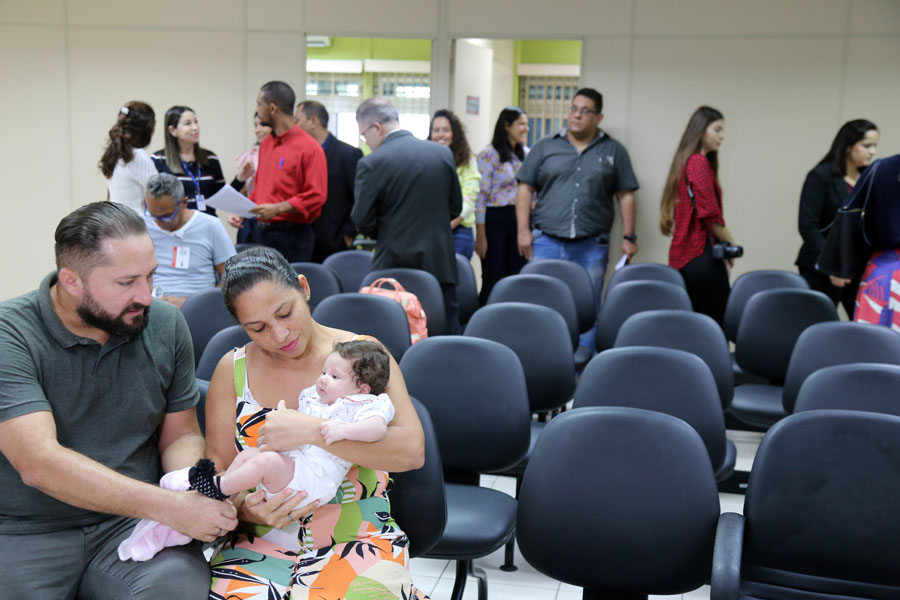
{"type": "Point", "coordinates": [334, 223]}
{"type": "Point", "coordinates": [821, 196]}
{"type": "Point", "coordinates": [407, 192]}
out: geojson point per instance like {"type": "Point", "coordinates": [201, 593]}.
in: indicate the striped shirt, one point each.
{"type": "Point", "coordinates": [210, 177]}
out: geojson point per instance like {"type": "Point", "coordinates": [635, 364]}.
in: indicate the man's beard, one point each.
{"type": "Point", "coordinates": [93, 315]}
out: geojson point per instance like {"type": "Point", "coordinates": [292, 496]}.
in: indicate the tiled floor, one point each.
{"type": "Point", "coordinates": [436, 576]}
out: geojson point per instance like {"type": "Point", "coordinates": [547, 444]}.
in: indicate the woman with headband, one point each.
{"type": "Point", "coordinates": [125, 163]}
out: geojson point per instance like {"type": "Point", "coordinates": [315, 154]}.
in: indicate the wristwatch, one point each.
{"type": "Point", "coordinates": [631, 238]}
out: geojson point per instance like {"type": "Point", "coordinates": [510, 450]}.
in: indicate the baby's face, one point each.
{"type": "Point", "coordinates": [337, 379]}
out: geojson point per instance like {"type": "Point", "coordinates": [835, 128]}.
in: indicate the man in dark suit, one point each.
{"type": "Point", "coordinates": [407, 192]}
{"type": "Point", "coordinates": [334, 229]}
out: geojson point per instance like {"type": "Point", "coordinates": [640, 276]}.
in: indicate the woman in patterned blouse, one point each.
{"type": "Point", "coordinates": [692, 203]}
{"type": "Point", "coordinates": [495, 209]}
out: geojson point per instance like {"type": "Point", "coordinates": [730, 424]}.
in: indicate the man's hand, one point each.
{"type": "Point", "coordinates": [235, 221]}
{"type": "Point", "coordinates": [454, 223]}
{"type": "Point", "coordinates": [838, 281]}
{"type": "Point", "coordinates": [333, 431]}
{"type": "Point", "coordinates": [525, 240]}
{"type": "Point", "coordinates": [176, 300]}
{"type": "Point", "coordinates": [202, 518]}
{"type": "Point", "coordinates": [266, 212]}
{"type": "Point", "coordinates": [629, 249]}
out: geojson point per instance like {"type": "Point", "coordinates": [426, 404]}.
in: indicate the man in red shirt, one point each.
{"type": "Point", "coordinates": [292, 177]}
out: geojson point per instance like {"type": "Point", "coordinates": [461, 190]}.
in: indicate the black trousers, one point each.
{"type": "Point", "coordinates": [294, 240]}
{"type": "Point", "coordinates": [451, 307]}
{"type": "Point", "coordinates": [707, 284]}
{"type": "Point", "coordinates": [502, 256]}
{"type": "Point", "coordinates": [845, 296]}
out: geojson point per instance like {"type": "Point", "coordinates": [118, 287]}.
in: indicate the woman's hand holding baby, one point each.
{"type": "Point", "coordinates": [286, 429]}
{"type": "Point", "coordinates": [278, 511]}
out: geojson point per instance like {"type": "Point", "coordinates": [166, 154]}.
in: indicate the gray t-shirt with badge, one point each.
{"type": "Point", "coordinates": [108, 401]}
{"type": "Point", "coordinates": [575, 191]}
{"type": "Point", "coordinates": [188, 257]}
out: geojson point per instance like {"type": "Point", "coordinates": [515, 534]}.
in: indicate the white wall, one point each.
{"type": "Point", "coordinates": [786, 73]}
{"type": "Point", "coordinates": [472, 77]}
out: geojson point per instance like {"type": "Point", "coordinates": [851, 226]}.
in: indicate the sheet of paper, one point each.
{"type": "Point", "coordinates": [232, 201]}
{"type": "Point", "coordinates": [621, 262]}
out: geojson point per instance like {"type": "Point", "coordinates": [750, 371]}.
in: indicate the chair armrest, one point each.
{"type": "Point", "coordinates": [726, 568]}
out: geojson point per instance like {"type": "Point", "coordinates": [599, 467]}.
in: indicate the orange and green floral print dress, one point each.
{"type": "Point", "coordinates": [349, 549]}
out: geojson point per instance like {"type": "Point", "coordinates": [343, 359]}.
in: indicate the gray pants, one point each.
{"type": "Point", "coordinates": [82, 563]}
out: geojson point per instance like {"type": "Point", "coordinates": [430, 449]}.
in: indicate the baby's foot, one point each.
{"type": "Point", "coordinates": [203, 479]}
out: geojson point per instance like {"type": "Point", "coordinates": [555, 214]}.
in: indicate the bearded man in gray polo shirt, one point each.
{"type": "Point", "coordinates": [570, 180]}
{"type": "Point", "coordinates": [97, 400]}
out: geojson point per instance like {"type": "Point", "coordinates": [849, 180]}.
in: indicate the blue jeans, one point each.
{"type": "Point", "coordinates": [590, 253]}
{"type": "Point", "coordinates": [464, 241]}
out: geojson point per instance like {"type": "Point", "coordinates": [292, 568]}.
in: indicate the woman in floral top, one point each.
{"type": "Point", "coordinates": [495, 208]}
{"type": "Point", "coordinates": [286, 548]}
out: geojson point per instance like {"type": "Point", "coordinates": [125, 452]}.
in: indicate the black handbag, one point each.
{"type": "Point", "coordinates": [847, 247]}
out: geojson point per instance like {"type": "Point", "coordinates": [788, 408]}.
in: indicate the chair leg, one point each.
{"type": "Point", "coordinates": [509, 558]}
{"type": "Point", "coordinates": [459, 585]}
{"type": "Point", "coordinates": [481, 576]}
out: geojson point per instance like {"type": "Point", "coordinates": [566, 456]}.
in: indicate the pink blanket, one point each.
{"type": "Point", "coordinates": [149, 537]}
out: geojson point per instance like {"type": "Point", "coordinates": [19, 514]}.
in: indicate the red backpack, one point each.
{"type": "Point", "coordinates": [418, 323]}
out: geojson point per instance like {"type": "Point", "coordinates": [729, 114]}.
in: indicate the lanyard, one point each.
{"type": "Point", "coordinates": [198, 197]}
{"type": "Point", "coordinates": [194, 178]}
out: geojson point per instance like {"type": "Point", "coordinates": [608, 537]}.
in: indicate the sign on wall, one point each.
{"type": "Point", "coordinates": [472, 104]}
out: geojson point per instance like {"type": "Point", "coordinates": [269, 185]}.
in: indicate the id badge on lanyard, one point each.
{"type": "Point", "coordinates": [198, 198]}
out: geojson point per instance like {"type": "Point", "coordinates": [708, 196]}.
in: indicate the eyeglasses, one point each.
{"type": "Point", "coordinates": [169, 217]}
{"type": "Point", "coordinates": [584, 111]}
{"type": "Point", "coordinates": [362, 135]}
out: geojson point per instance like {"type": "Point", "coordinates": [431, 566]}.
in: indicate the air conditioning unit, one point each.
{"type": "Point", "coordinates": [318, 41]}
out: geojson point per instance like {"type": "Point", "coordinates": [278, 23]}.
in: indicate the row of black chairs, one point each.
{"type": "Point", "coordinates": [819, 517]}
{"type": "Point", "coordinates": [619, 495]}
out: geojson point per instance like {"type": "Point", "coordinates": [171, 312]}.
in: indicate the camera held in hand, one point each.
{"type": "Point", "coordinates": [726, 251]}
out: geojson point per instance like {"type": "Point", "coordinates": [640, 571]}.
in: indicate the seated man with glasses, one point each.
{"type": "Point", "coordinates": [570, 180]}
{"type": "Point", "coordinates": [191, 246]}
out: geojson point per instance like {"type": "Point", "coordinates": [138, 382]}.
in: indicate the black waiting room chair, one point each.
{"type": "Point", "coordinates": [621, 502]}
{"type": "Point", "coordinates": [820, 517]}
{"type": "Point", "coordinates": [476, 394]}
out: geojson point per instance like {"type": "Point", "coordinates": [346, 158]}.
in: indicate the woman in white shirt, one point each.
{"type": "Point", "coordinates": [125, 163]}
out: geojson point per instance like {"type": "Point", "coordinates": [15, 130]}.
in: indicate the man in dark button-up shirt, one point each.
{"type": "Point", "coordinates": [570, 180]}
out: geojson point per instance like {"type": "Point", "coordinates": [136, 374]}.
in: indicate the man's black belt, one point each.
{"type": "Point", "coordinates": [600, 237]}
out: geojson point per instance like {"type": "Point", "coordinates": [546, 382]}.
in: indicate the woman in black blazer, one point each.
{"type": "Point", "coordinates": [825, 189]}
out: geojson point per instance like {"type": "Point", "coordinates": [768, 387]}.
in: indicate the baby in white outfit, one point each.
{"type": "Point", "coordinates": [350, 395]}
